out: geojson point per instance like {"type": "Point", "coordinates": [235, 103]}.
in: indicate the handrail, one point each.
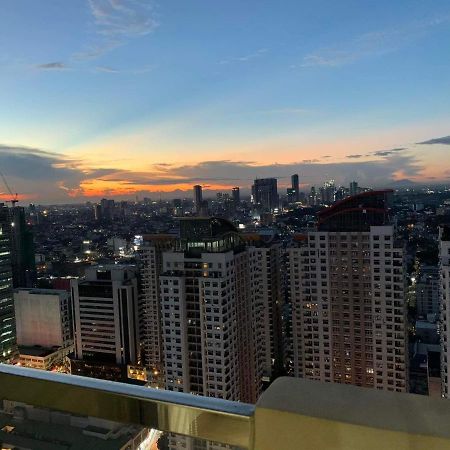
{"type": "Point", "coordinates": [292, 414]}
{"type": "Point", "coordinates": [206, 418]}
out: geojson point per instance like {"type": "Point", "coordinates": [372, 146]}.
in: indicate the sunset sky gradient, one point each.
{"type": "Point", "coordinates": [118, 98]}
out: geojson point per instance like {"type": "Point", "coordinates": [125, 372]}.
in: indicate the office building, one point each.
{"type": "Point", "coordinates": [198, 198]}
{"type": "Point", "coordinates": [427, 290]}
{"type": "Point", "coordinates": [265, 194]}
{"type": "Point", "coordinates": [211, 314]}
{"type": "Point", "coordinates": [150, 267]}
{"type": "Point", "coordinates": [44, 326]}
{"type": "Point", "coordinates": [291, 195]}
{"type": "Point", "coordinates": [347, 288]}
{"type": "Point", "coordinates": [354, 189]}
{"type": "Point", "coordinates": [105, 322]}
{"type": "Point", "coordinates": [295, 186]}
{"type": "Point", "coordinates": [313, 197]}
{"type": "Point", "coordinates": [444, 269]}
{"type": "Point", "coordinates": [327, 193]}
{"type": "Point", "coordinates": [43, 317]}
{"type": "Point", "coordinates": [105, 210]}
{"type": "Point", "coordinates": [22, 249]}
{"type": "Point", "coordinates": [8, 346]}
{"type": "Point", "coordinates": [236, 196]}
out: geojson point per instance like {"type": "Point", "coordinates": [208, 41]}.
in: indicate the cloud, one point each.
{"type": "Point", "coordinates": [385, 153]}
{"type": "Point", "coordinates": [375, 173]}
{"type": "Point", "coordinates": [38, 173]}
{"type": "Point", "coordinates": [129, 18]}
{"type": "Point", "coordinates": [116, 22]}
{"type": "Point", "coordinates": [245, 58]}
{"type": "Point", "coordinates": [370, 44]}
{"type": "Point", "coordinates": [107, 69]}
{"type": "Point", "coordinates": [442, 140]}
{"type": "Point", "coordinates": [53, 177]}
{"type": "Point", "coordinates": [57, 65]}
{"type": "Point", "coordinates": [377, 153]}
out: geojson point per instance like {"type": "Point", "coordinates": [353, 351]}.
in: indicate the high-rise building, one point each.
{"type": "Point", "coordinates": [291, 195]}
{"type": "Point", "coordinates": [354, 189]}
{"type": "Point", "coordinates": [295, 185]}
{"type": "Point", "coordinates": [22, 249]}
{"type": "Point", "coordinates": [150, 267]}
{"type": "Point", "coordinates": [312, 199]}
{"type": "Point", "coordinates": [269, 293]}
{"type": "Point", "coordinates": [265, 193]}
{"type": "Point", "coordinates": [198, 198]}
{"type": "Point", "coordinates": [347, 288]}
{"type": "Point", "coordinates": [44, 326]}
{"type": "Point", "coordinates": [327, 193]}
{"type": "Point", "coordinates": [427, 290]}
{"type": "Point", "coordinates": [211, 313]}
{"type": "Point", "coordinates": [105, 322]}
{"type": "Point", "coordinates": [444, 268]}
{"type": "Point", "coordinates": [236, 196]}
{"type": "Point", "coordinates": [8, 345]}
{"type": "Point", "coordinates": [43, 318]}
{"type": "Point", "coordinates": [106, 211]}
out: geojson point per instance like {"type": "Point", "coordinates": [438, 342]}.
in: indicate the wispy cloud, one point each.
{"type": "Point", "coordinates": [384, 153]}
{"type": "Point", "coordinates": [377, 153]}
{"type": "Point", "coordinates": [375, 43]}
{"type": "Point", "coordinates": [116, 22]}
{"type": "Point", "coordinates": [112, 70]}
{"type": "Point", "coordinates": [245, 58]}
{"type": "Point", "coordinates": [57, 65]}
{"type": "Point", "coordinates": [442, 140]}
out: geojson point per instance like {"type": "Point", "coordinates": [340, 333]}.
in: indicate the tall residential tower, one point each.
{"type": "Point", "coordinates": [347, 287]}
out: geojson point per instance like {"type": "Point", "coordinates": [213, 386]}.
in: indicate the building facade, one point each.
{"type": "Point", "coordinates": [295, 186]}
{"type": "Point", "coordinates": [150, 268]}
{"type": "Point", "coordinates": [43, 318]}
{"type": "Point", "coordinates": [105, 321]}
{"type": "Point", "coordinates": [347, 288]}
{"type": "Point", "coordinates": [8, 344]}
{"type": "Point", "coordinates": [444, 269]}
{"type": "Point", "coordinates": [22, 250]}
{"type": "Point", "coordinates": [198, 198]}
{"type": "Point", "coordinates": [211, 313]}
{"type": "Point", "coordinates": [265, 194]}
{"type": "Point", "coordinates": [427, 291]}
{"type": "Point", "coordinates": [268, 292]}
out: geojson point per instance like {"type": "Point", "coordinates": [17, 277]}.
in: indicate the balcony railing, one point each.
{"type": "Point", "coordinates": [293, 414]}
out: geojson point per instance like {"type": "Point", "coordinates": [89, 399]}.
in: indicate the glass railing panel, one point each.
{"type": "Point", "coordinates": [51, 410]}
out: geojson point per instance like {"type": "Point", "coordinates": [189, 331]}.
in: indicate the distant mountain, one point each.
{"type": "Point", "coordinates": [405, 182]}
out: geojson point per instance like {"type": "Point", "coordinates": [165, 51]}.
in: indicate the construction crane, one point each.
{"type": "Point", "coordinates": [14, 197]}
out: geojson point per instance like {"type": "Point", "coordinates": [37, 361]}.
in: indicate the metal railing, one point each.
{"type": "Point", "coordinates": [293, 414]}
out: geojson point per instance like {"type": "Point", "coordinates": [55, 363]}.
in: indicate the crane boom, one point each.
{"type": "Point", "coordinates": [14, 198]}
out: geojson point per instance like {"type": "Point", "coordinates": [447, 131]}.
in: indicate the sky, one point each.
{"type": "Point", "coordinates": [126, 98]}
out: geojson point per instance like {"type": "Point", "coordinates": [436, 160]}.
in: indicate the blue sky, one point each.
{"type": "Point", "coordinates": [138, 96]}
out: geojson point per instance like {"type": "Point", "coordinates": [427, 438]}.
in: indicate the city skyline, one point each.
{"type": "Point", "coordinates": [111, 98]}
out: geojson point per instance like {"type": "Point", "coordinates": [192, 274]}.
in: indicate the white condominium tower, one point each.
{"type": "Point", "coordinates": [444, 266]}
{"type": "Point", "coordinates": [150, 267]}
{"type": "Point", "coordinates": [211, 313]}
{"type": "Point", "coordinates": [347, 288]}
